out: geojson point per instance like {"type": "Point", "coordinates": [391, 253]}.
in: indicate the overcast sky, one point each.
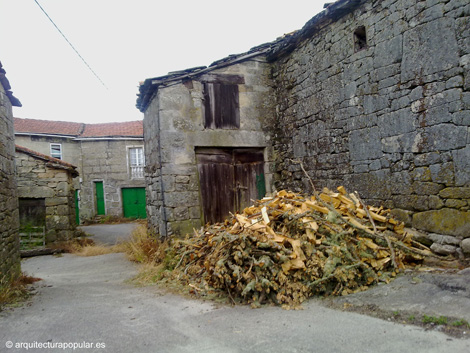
{"type": "Point", "coordinates": [125, 42]}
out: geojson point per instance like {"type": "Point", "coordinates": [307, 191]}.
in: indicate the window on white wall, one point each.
{"type": "Point", "coordinates": [56, 150]}
{"type": "Point", "coordinates": [136, 162]}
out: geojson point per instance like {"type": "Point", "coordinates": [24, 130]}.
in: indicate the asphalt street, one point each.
{"type": "Point", "coordinates": [88, 302]}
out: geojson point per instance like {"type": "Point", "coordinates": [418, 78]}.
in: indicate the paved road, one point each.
{"type": "Point", "coordinates": [110, 234]}
{"type": "Point", "coordinates": [87, 299]}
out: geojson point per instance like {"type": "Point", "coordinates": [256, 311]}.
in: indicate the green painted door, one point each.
{"type": "Point", "coordinates": [133, 203]}
{"type": "Point", "coordinates": [77, 210]}
{"type": "Point", "coordinates": [100, 210]}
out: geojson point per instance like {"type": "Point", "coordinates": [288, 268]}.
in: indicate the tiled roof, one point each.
{"type": "Point", "coordinates": [79, 130]}
{"type": "Point", "coordinates": [51, 160]}
{"type": "Point", "coordinates": [48, 127]}
{"type": "Point", "coordinates": [124, 129]}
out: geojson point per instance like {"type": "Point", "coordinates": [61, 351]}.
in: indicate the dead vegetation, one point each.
{"type": "Point", "coordinates": [289, 247]}
{"type": "Point", "coordinates": [16, 291]}
{"type": "Point", "coordinates": [87, 247]}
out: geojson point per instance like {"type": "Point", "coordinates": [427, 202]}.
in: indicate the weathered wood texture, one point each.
{"type": "Point", "coordinates": [221, 105]}
{"type": "Point", "coordinates": [229, 179]}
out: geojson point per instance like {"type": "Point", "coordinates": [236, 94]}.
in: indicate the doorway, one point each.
{"type": "Point", "coordinates": [230, 179]}
{"type": "Point", "coordinates": [99, 193]}
{"type": "Point", "coordinates": [133, 203]}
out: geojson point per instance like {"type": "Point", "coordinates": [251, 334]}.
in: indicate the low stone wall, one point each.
{"type": "Point", "coordinates": [378, 99]}
{"type": "Point", "coordinates": [9, 239]}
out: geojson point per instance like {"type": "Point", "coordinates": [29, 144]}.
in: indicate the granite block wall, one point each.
{"type": "Point", "coordinates": [174, 129]}
{"type": "Point", "coordinates": [38, 179]}
{"type": "Point", "coordinates": [9, 221]}
{"type": "Point", "coordinates": [106, 161]}
{"type": "Point", "coordinates": [378, 99]}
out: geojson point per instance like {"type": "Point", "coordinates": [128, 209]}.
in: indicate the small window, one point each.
{"type": "Point", "coordinates": [56, 150]}
{"type": "Point", "coordinates": [360, 39]}
{"type": "Point", "coordinates": [136, 162]}
{"type": "Point", "coordinates": [221, 106]}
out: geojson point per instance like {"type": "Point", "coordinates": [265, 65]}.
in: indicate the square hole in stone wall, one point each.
{"type": "Point", "coordinates": [360, 38]}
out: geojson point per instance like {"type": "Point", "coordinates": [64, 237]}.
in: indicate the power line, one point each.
{"type": "Point", "coordinates": [71, 45]}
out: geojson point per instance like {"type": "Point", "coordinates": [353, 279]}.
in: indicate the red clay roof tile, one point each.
{"type": "Point", "coordinates": [46, 158]}
{"type": "Point", "coordinates": [118, 129]}
{"type": "Point", "coordinates": [48, 127]}
{"type": "Point", "coordinates": [125, 129]}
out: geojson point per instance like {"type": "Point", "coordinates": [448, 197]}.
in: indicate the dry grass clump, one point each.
{"type": "Point", "coordinates": [157, 257]}
{"type": "Point", "coordinates": [87, 247]}
{"type": "Point", "coordinates": [15, 291]}
{"type": "Point", "coordinates": [142, 247]}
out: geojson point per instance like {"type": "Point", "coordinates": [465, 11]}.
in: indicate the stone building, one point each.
{"type": "Point", "coordinates": [372, 95]}
{"type": "Point", "coordinates": [109, 158]}
{"type": "Point", "coordinates": [206, 149]}
{"type": "Point", "coordinates": [46, 193]}
{"type": "Point", "coordinates": [9, 239]}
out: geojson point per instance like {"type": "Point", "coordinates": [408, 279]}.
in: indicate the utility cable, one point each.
{"type": "Point", "coordinates": [71, 45]}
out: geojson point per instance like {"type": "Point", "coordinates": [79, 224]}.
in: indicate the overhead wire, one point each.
{"type": "Point", "coordinates": [71, 45]}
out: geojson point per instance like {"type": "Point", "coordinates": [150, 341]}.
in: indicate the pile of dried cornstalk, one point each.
{"type": "Point", "coordinates": [289, 247]}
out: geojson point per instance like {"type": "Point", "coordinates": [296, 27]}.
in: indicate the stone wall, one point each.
{"type": "Point", "coordinates": [106, 161]}
{"type": "Point", "coordinates": [43, 179]}
{"type": "Point", "coordinates": [174, 128]}
{"type": "Point", "coordinates": [99, 159]}
{"type": "Point", "coordinates": [391, 119]}
{"type": "Point", "coordinates": [42, 144]}
{"type": "Point", "coordinates": [9, 239]}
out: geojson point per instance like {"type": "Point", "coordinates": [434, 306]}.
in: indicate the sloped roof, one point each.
{"type": "Point", "coordinates": [124, 129]}
{"type": "Point", "coordinates": [48, 127]}
{"type": "Point", "coordinates": [333, 12]}
{"type": "Point", "coordinates": [150, 85]}
{"type": "Point", "coordinates": [79, 130]}
{"type": "Point", "coordinates": [51, 161]}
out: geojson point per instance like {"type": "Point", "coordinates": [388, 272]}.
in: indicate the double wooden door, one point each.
{"type": "Point", "coordinates": [230, 179]}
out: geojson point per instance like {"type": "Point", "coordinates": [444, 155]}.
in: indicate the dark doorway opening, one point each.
{"type": "Point", "coordinates": [32, 212]}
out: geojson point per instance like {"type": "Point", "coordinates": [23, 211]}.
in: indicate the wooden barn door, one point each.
{"type": "Point", "coordinates": [229, 180]}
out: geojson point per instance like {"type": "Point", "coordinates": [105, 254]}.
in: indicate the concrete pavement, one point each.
{"type": "Point", "coordinates": [87, 299]}
{"type": "Point", "coordinates": [110, 234]}
{"type": "Point", "coordinates": [88, 302]}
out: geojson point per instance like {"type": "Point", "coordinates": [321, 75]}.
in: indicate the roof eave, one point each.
{"type": "Point", "coordinates": [71, 137]}
{"type": "Point", "coordinates": [96, 138]}
{"type": "Point", "coordinates": [50, 161]}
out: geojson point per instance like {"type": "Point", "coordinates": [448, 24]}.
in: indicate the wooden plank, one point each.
{"type": "Point", "coordinates": [39, 252]}
{"type": "Point", "coordinates": [221, 106]}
